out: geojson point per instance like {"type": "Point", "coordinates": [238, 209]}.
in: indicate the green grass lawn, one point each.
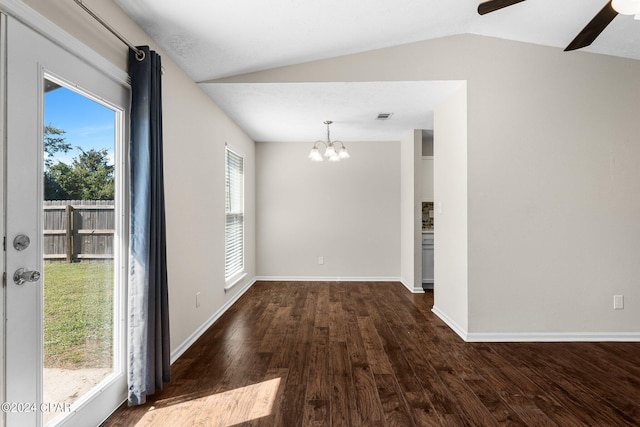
{"type": "Point", "coordinates": [78, 314]}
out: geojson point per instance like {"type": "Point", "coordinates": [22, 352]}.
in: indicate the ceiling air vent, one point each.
{"type": "Point", "coordinates": [384, 116]}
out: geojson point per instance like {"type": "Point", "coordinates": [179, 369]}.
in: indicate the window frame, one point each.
{"type": "Point", "coordinates": [237, 274]}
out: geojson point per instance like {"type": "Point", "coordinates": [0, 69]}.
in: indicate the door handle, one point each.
{"type": "Point", "coordinates": [21, 276]}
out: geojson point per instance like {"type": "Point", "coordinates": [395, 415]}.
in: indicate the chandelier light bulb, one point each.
{"type": "Point", "coordinates": [330, 152]}
{"type": "Point", "coordinates": [627, 7]}
{"type": "Point", "coordinates": [315, 155]}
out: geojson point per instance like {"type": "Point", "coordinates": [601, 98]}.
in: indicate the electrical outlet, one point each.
{"type": "Point", "coordinates": [197, 299]}
{"type": "Point", "coordinates": [320, 260]}
{"type": "Point", "coordinates": [618, 302]}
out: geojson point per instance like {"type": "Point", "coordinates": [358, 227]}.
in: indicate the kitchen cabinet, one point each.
{"type": "Point", "coordinates": [427, 260]}
{"type": "Point", "coordinates": [427, 179]}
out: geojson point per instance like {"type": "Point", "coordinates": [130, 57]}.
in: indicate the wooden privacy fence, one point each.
{"type": "Point", "coordinates": [78, 229]}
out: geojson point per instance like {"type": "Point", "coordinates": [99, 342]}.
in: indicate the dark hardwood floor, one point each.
{"type": "Point", "coordinates": [372, 354]}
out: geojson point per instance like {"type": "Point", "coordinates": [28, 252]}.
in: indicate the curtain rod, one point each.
{"type": "Point", "coordinates": [139, 53]}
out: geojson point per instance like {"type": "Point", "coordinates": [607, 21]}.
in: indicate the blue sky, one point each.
{"type": "Point", "coordinates": [87, 123]}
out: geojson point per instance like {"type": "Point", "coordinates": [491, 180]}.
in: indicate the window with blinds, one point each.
{"type": "Point", "coordinates": [234, 208]}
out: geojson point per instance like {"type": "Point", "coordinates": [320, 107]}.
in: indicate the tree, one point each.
{"type": "Point", "coordinates": [52, 188]}
{"type": "Point", "coordinates": [94, 174]}
{"type": "Point", "coordinates": [54, 142]}
{"type": "Point", "coordinates": [89, 177]}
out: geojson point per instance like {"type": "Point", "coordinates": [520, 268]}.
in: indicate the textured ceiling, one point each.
{"type": "Point", "coordinates": [296, 111]}
{"type": "Point", "coordinates": [214, 39]}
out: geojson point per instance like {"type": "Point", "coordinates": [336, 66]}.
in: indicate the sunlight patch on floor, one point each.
{"type": "Point", "coordinates": [223, 409]}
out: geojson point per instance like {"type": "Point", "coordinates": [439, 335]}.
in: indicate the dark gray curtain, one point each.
{"type": "Point", "coordinates": [149, 351]}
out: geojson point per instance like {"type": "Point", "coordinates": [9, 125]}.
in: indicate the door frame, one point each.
{"type": "Point", "coordinates": [32, 19]}
{"type": "Point", "coordinates": [38, 23]}
{"type": "Point", "coordinates": [3, 116]}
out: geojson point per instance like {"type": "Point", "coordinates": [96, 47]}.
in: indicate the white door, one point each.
{"type": "Point", "coordinates": [64, 325]}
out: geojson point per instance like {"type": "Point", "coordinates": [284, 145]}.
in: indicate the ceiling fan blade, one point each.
{"type": "Point", "coordinates": [593, 28]}
{"type": "Point", "coordinates": [493, 5]}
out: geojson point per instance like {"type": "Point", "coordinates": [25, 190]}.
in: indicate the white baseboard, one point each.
{"type": "Point", "coordinates": [339, 279]}
{"type": "Point", "coordinates": [450, 322]}
{"type": "Point", "coordinates": [198, 332]}
{"type": "Point", "coordinates": [536, 336]}
{"type": "Point", "coordinates": [325, 279]}
{"type": "Point", "coordinates": [553, 336]}
{"type": "Point", "coordinates": [412, 289]}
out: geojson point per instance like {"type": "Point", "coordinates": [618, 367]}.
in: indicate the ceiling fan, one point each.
{"type": "Point", "coordinates": [593, 28]}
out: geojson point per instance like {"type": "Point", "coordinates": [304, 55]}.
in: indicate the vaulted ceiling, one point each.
{"type": "Point", "coordinates": [215, 39]}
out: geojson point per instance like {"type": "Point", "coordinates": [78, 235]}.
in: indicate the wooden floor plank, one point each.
{"type": "Point", "coordinates": [372, 354]}
{"type": "Point", "coordinates": [319, 378]}
{"type": "Point", "coordinates": [317, 413]}
{"type": "Point", "coordinates": [396, 411]}
{"type": "Point", "coordinates": [376, 354]}
{"type": "Point", "coordinates": [368, 406]}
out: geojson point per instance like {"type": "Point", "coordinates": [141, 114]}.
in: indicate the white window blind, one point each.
{"type": "Point", "coordinates": [234, 229]}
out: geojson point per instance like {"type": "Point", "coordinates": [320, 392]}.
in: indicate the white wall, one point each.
{"type": "Point", "coordinates": [552, 179]}
{"type": "Point", "coordinates": [450, 196]}
{"type": "Point", "coordinates": [553, 195]}
{"type": "Point", "coordinates": [347, 212]}
{"type": "Point", "coordinates": [195, 131]}
{"type": "Point", "coordinates": [411, 210]}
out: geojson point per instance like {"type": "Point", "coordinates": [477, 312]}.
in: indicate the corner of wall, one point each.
{"type": "Point", "coordinates": [410, 209]}
{"type": "Point", "coordinates": [451, 212]}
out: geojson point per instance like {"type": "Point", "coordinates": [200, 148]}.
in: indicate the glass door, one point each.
{"type": "Point", "coordinates": [66, 236]}
{"type": "Point", "coordinates": [78, 244]}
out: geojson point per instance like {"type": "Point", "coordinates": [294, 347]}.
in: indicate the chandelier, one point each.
{"type": "Point", "coordinates": [330, 151]}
